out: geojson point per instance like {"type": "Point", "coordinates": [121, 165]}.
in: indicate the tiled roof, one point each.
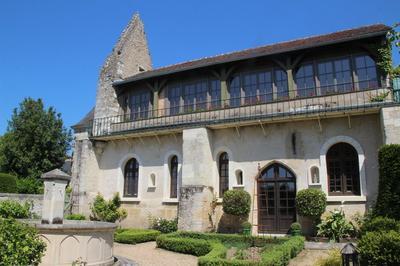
{"type": "Point", "coordinates": [288, 46]}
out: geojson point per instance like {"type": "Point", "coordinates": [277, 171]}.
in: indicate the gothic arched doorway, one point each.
{"type": "Point", "coordinates": [276, 189]}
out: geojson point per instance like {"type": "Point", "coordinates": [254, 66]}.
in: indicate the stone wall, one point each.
{"type": "Point", "coordinates": [390, 124]}
{"type": "Point", "coordinates": [37, 200]}
{"type": "Point", "coordinates": [247, 147]}
{"type": "Point", "coordinates": [129, 56]}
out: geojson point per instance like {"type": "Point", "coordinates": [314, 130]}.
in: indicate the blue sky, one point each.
{"type": "Point", "coordinates": [54, 49]}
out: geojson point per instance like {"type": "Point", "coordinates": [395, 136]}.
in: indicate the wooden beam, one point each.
{"type": "Point", "coordinates": [319, 124]}
{"type": "Point", "coordinates": [262, 127]}
{"type": "Point", "coordinates": [237, 131]}
{"type": "Point", "coordinates": [159, 142]}
{"type": "Point", "coordinates": [349, 120]}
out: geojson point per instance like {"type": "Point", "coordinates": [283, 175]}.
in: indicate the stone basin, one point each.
{"type": "Point", "coordinates": [76, 241]}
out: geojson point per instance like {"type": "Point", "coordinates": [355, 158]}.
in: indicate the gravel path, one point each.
{"type": "Point", "coordinates": [147, 254]}
{"type": "Point", "coordinates": [308, 257]}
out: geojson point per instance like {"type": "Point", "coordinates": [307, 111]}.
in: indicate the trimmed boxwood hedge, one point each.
{"type": "Point", "coordinates": [134, 236]}
{"type": "Point", "coordinates": [387, 203]}
{"type": "Point", "coordinates": [8, 183]}
{"type": "Point", "coordinates": [211, 249]}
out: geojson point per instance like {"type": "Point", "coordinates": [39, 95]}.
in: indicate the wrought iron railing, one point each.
{"type": "Point", "coordinates": [251, 107]}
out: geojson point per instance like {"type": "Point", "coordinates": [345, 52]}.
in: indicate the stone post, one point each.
{"type": "Point", "coordinates": [390, 124]}
{"type": "Point", "coordinates": [55, 183]}
{"type": "Point", "coordinates": [196, 193]}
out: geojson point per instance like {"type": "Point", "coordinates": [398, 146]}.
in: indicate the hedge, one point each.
{"type": "Point", "coordinates": [380, 248]}
{"type": "Point", "coordinates": [380, 224]}
{"type": "Point", "coordinates": [8, 183]}
{"type": "Point", "coordinates": [134, 236]}
{"type": "Point", "coordinates": [197, 247]}
{"type": "Point", "coordinates": [387, 203]}
{"type": "Point", "coordinates": [75, 216]}
{"type": "Point", "coordinates": [211, 249]}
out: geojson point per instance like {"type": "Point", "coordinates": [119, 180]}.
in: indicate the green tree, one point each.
{"type": "Point", "coordinates": [36, 140]}
{"type": "Point", "coordinates": [393, 37]}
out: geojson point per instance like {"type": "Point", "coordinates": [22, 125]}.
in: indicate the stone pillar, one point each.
{"type": "Point", "coordinates": [196, 193]}
{"type": "Point", "coordinates": [390, 124]}
{"type": "Point", "coordinates": [55, 183]}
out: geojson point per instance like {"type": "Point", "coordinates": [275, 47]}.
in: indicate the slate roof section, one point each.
{"type": "Point", "coordinates": [282, 47]}
{"type": "Point", "coordinates": [85, 121]}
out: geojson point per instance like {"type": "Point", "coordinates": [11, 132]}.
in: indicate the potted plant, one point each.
{"type": "Point", "coordinates": [246, 227]}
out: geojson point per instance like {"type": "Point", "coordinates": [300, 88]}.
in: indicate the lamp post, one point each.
{"type": "Point", "coordinates": [349, 255]}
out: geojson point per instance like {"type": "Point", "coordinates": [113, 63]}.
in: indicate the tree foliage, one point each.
{"type": "Point", "coordinates": [36, 140]}
{"type": "Point", "coordinates": [387, 203]}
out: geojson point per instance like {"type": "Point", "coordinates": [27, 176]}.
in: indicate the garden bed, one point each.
{"type": "Point", "coordinates": [134, 236]}
{"type": "Point", "coordinates": [212, 249]}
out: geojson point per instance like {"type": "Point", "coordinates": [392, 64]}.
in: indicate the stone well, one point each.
{"type": "Point", "coordinates": [85, 241]}
{"type": "Point", "coordinates": [67, 242]}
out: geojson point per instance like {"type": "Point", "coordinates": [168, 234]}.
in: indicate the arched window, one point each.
{"type": "Point", "coordinates": [223, 173]}
{"type": "Point", "coordinates": [131, 178]}
{"type": "Point", "coordinates": [173, 171]}
{"type": "Point", "coordinates": [343, 170]}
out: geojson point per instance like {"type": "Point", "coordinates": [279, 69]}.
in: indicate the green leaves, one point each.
{"type": "Point", "coordinates": [13, 209]}
{"type": "Point", "coordinates": [107, 211]}
{"type": "Point", "coordinates": [19, 244]}
{"type": "Point", "coordinates": [236, 202]}
{"type": "Point", "coordinates": [35, 142]}
{"type": "Point", "coordinates": [311, 203]}
{"type": "Point", "coordinates": [335, 226]}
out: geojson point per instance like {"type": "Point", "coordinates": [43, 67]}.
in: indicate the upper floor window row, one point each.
{"type": "Point", "coordinates": [258, 87]}
{"type": "Point", "coordinates": [338, 75]}
{"type": "Point", "coordinates": [195, 96]}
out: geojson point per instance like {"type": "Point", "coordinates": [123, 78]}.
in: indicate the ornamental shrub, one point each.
{"type": "Point", "coordinates": [107, 211]}
{"type": "Point", "coordinates": [387, 203]}
{"type": "Point", "coordinates": [311, 202]}
{"type": "Point", "coordinates": [380, 248]}
{"type": "Point", "coordinates": [134, 236]}
{"type": "Point", "coordinates": [75, 216]}
{"type": "Point", "coordinates": [236, 202]}
{"type": "Point", "coordinates": [295, 229]}
{"type": "Point", "coordinates": [14, 209]}
{"type": "Point", "coordinates": [163, 225]}
{"type": "Point", "coordinates": [8, 183]}
{"type": "Point", "coordinates": [335, 226]}
{"type": "Point", "coordinates": [380, 224]}
{"type": "Point", "coordinates": [30, 185]}
{"type": "Point", "coordinates": [19, 244]}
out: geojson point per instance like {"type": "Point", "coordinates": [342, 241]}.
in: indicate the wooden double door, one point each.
{"type": "Point", "coordinates": [276, 187]}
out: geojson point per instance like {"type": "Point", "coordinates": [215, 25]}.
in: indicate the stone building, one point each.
{"type": "Point", "coordinates": [270, 120]}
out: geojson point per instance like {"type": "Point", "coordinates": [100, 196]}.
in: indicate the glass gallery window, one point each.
{"type": "Point", "coordinates": [139, 105]}
{"type": "Point", "coordinates": [131, 178]}
{"type": "Point", "coordinates": [257, 87]}
{"type": "Point", "coordinates": [194, 96]}
{"type": "Point", "coordinates": [335, 76]}
{"type": "Point", "coordinates": [305, 81]}
{"type": "Point", "coordinates": [365, 69]}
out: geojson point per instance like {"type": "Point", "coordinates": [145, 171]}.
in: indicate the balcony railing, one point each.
{"type": "Point", "coordinates": [254, 107]}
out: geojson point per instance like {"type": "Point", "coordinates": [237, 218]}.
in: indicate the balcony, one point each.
{"type": "Point", "coordinates": [306, 104]}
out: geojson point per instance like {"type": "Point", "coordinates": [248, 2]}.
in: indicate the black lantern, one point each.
{"type": "Point", "coordinates": [349, 255]}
